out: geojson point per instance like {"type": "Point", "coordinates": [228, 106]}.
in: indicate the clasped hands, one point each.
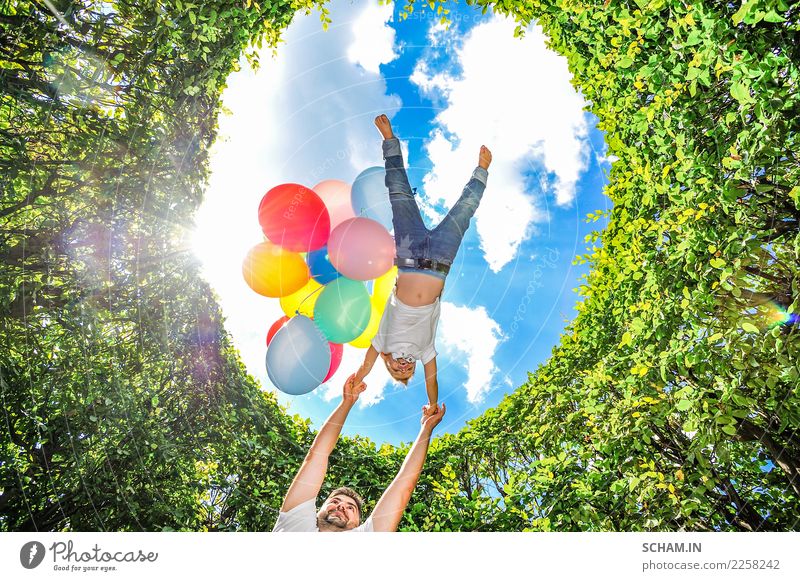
{"type": "Point", "coordinates": [431, 414]}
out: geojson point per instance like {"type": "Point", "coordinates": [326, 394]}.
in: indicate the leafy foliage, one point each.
{"type": "Point", "coordinates": [125, 406]}
{"type": "Point", "coordinates": [671, 402]}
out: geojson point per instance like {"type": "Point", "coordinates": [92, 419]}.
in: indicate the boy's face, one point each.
{"type": "Point", "coordinates": [398, 368]}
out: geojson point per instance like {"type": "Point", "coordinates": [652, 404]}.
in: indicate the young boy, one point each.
{"type": "Point", "coordinates": [408, 327]}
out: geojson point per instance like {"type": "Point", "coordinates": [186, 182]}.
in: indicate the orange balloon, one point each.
{"type": "Point", "coordinates": [274, 272]}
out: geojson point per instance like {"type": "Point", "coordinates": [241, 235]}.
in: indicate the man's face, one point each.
{"type": "Point", "coordinates": [339, 512]}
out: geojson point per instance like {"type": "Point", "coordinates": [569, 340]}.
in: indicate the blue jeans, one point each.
{"type": "Point", "coordinates": [412, 238]}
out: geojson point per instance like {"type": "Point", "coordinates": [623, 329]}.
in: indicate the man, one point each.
{"type": "Point", "coordinates": [341, 511]}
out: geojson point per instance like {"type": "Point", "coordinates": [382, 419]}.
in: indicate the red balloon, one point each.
{"type": "Point", "coordinates": [337, 349]}
{"type": "Point", "coordinates": [294, 217]}
{"type": "Point", "coordinates": [276, 326]}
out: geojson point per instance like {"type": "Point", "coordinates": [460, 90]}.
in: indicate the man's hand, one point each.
{"type": "Point", "coordinates": [430, 420]}
{"type": "Point", "coordinates": [352, 390]}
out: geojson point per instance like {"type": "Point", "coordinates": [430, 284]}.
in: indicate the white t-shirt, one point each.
{"type": "Point", "coordinates": [303, 519]}
{"type": "Point", "coordinates": [407, 331]}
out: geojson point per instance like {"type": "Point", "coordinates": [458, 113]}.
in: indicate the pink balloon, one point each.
{"type": "Point", "coordinates": [336, 196]}
{"type": "Point", "coordinates": [336, 358]}
{"type": "Point", "coordinates": [361, 249]}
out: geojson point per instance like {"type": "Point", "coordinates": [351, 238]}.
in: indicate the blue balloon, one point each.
{"type": "Point", "coordinates": [298, 357]}
{"type": "Point", "coordinates": [319, 264]}
{"type": "Point", "coordinates": [370, 198]}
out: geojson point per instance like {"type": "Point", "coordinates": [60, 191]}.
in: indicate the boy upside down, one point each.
{"type": "Point", "coordinates": [407, 330]}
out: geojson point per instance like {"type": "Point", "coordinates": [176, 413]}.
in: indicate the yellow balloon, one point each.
{"type": "Point", "coordinates": [382, 287]}
{"type": "Point", "coordinates": [302, 300]}
{"type": "Point", "coordinates": [272, 271]}
{"type": "Point", "coordinates": [363, 341]}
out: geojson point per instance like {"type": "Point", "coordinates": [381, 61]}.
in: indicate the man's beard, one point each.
{"type": "Point", "coordinates": [331, 522]}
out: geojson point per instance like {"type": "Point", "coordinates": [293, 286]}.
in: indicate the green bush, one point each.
{"type": "Point", "coordinates": [670, 403]}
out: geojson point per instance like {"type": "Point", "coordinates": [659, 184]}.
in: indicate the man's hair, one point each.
{"type": "Point", "coordinates": [349, 492]}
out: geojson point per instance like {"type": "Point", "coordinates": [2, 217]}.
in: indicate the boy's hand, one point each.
{"type": "Point", "coordinates": [352, 389]}
{"type": "Point", "coordinates": [430, 409]}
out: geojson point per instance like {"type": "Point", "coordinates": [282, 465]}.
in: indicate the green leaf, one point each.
{"type": "Point", "coordinates": [743, 11]}
{"type": "Point", "coordinates": [683, 405]}
{"type": "Point", "coordinates": [749, 327]}
{"type": "Point", "coordinates": [773, 16]}
{"type": "Point", "coordinates": [741, 92]}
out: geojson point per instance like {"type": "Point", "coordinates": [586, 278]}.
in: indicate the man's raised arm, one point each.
{"type": "Point", "coordinates": [390, 507]}
{"type": "Point", "coordinates": [308, 481]}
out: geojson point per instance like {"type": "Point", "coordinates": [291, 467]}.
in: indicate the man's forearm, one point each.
{"type": "Point", "coordinates": [389, 510]}
{"type": "Point", "coordinates": [329, 433]}
{"type": "Point", "coordinates": [415, 460]}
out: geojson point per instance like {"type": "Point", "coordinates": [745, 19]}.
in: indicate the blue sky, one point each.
{"type": "Point", "coordinates": [306, 116]}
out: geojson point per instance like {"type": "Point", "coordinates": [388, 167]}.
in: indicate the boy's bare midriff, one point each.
{"type": "Point", "coordinates": [417, 290]}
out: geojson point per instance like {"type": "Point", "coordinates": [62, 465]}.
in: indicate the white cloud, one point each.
{"type": "Point", "coordinates": [435, 33]}
{"type": "Point", "coordinates": [305, 116]}
{"type": "Point", "coordinates": [439, 82]}
{"type": "Point", "coordinates": [471, 336]}
{"type": "Point", "coordinates": [516, 98]}
{"type": "Point", "coordinates": [373, 44]}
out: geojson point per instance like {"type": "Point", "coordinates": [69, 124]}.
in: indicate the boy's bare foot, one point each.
{"type": "Point", "coordinates": [485, 157]}
{"type": "Point", "coordinates": [384, 126]}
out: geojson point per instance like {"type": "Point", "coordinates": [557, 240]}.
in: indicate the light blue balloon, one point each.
{"type": "Point", "coordinates": [298, 357]}
{"type": "Point", "coordinates": [370, 198]}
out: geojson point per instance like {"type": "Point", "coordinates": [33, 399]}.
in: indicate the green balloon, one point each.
{"type": "Point", "coordinates": [342, 310]}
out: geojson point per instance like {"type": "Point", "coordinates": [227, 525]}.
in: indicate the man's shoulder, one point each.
{"type": "Point", "coordinates": [300, 519]}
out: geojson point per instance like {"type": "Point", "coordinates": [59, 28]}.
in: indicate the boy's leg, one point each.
{"type": "Point", "coordinates": [446, 237]}
{"type": "Point", "coordinates": [410, 233]}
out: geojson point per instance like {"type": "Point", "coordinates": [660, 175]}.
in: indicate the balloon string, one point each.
{"type": "Point", "coordinates": [297, 311]}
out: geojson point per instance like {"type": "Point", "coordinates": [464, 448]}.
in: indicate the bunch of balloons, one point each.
{"type": "Point", "coordinates": [316, 259]}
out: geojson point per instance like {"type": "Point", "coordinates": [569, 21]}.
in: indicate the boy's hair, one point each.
{"type": "Point", "coordinates": [403, 380]}
{"type": "Point", "coordinates": [349, 492]}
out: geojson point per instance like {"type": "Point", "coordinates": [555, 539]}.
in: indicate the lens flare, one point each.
{"type": "Point", "coordinates": [777, 315]}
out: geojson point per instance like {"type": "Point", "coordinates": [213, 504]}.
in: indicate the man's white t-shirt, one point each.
{"type": "Point", "coordinates": [408, 331]}
{"type": "Point", "coordinates": [303, 519]}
